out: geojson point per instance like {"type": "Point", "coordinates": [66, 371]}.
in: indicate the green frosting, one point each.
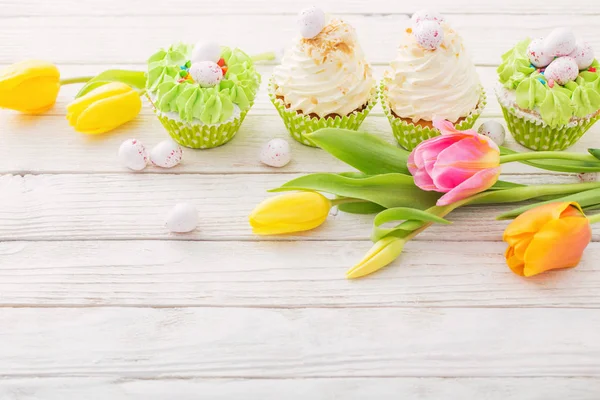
{"type": "Point", "coordinates": [210, 105]}
{"type": "Point", "coordinates": [556, 105]}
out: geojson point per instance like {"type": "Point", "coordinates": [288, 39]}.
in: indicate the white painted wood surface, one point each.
{"type": "Point", "coordinates": [99, 301]}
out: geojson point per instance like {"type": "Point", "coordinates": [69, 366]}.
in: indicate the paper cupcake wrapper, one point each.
{"type": "Point", "coordinates": [536, 135]}
{"type": "Point", "coordinates": [409, 135]}
{"type": "Point", "coordinates": [299, 125]}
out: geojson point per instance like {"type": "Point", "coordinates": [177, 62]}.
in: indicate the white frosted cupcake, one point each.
{"type": "Point", "coordinates": [324, 79]}
{"type": "Point", "coordinates": [431, 76]}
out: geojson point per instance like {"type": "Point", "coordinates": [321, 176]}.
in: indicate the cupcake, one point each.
{"type": "Point", "coordinates": [202, 93]}
{"type": "Point", "coordinates": [549, 90]}
{"type": "Point", "coordinates": [431, 77]}
{"type": "Point", "coordinates": [324, 79]}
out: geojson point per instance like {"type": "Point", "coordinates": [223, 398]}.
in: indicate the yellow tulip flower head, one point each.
{"type": "Point", "coordinates": [29, 86]}
{"type": "Point", "coordinates": [104, 108]}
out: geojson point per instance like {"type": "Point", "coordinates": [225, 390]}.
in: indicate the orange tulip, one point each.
{"type": "Point", "coordinates": [547, 237]}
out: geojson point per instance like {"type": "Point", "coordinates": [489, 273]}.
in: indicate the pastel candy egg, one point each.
{"type": "Point", "coordinates": [426, 15]}
{"type": "Point", "coordinates": [494, 130]}
{"type": "Point", "coordinates": [537, 55]}
{"type": "Point", "coordinates": [560, 42]}
{"type": "Point", "coordinates": [206, 51]}
{"type": "Point", "coordinates": [206, 73]}
{"type": "Point", "coordinates": [429, 34]}
{"type": "Point", "coordinates": [182, 218]}
{"type": "Point", "coordinates": [583, 55]}
{"type": "Point", "coordinates": [311, 22]}
{"type": "Point", "coordinates": [166, 154]}
{"type": "Point", "coordinates": [562, 70]}
{"type": "Point", "coordinates": [276, 153]}
{"type": "Point", "coordinates": [133, 155]}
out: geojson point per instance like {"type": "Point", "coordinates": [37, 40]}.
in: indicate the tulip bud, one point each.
{"type": "Point", "coordinates": [29, 86]}
{"type": "Point", "coordinates": [381, 254]}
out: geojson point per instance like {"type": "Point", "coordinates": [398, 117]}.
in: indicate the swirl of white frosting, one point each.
{"type": "Point", "coordinates": [327, 74]}
{"type": "Point", "coordinates": [423, 84]}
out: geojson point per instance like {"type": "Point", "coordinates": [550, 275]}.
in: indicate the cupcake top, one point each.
{"type": "Point", "coordinates": [432, 75]}
{"type": "Point", "coordinates": [205, 82]}
{"type": "Point", "coordinates": [325, 71]}
{"type": "Point", "coordinates": [556, 77]}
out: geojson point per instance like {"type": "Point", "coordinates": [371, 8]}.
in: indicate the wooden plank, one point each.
{"type": "Point", "coordinates": [133, 206]}
{"type": "Point", "coordinates": [280, 343]}
{"type": "Point", "coordinates": [133, 39]}
{"type": "Point", "coordinates": [279, 274]}
{"type": "Point", "coordinates": [299, 389]}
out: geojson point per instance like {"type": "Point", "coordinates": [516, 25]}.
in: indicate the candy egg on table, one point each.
{"type": "Point", "coordinates": [133, 155]}
{"type": "Point", "coordinates": [494, 130]}
{"type": "Point", "coordinates": [182, 218]}
{"type": "Point", "coordinates": [276, 153]}
{"type": "Point", "coordinates": [206, 73]}
{"type": "Point", "coordinates": [426, 15]}
{"type": "Point", "coordinates": [429, 34]}
{"type": "Point", "coordinates": [560, 42]}
{"type": "Point", "coordinates": [562, 70]}
{"type": "Point", "coordinates": [537, 55]}
{"type": "Point", "coordinates": [166, 154]}
{"type": "Point", "coordinates": [583, 55]}
{"type": "Point", "coordinates": [311, 22]}
{"type": "Point", "coordinates": [206, 51]}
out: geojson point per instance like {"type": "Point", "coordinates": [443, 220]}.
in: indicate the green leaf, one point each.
{"type": "Point", "coordinates": [501, 185]}
{"type": "Point", "coordinates": [387, 190]}
{"type": "Point", "coordinates": [571, 166]}
{"type": "Point", "coordinates": [135, 79]}
{"type": "Point", "coordinates": [595, 153]}
{"type": "Point", "coordinates": [400, 214]}
{"type": "Point", "coordinates": [361, 208]}
{"type": "Point", "coordinates": [363, 151]}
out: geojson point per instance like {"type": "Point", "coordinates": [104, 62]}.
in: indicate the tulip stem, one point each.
{"type": "Point", "coordinates": [77, 79]}
{"type": "Point", "coordinates": [594, 219]}
{"type": "Point", "coordinates": [270, 56]}
{"type": "Point", "coordinates": [346, 200]}
{"type": "Point", "coordinates": [547, 155]}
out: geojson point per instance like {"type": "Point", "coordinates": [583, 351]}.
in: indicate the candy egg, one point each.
{"type": "Point", "coordinates": [206, 51]}
{"type": "Point", "coordinates": [494, 130]}
{"type": "Point", "coordinates": [583, 55]}
{"type": "Point", "coordinates": [560, 42]}
{"type": "Point", "coordinates": [426, 15]}
{"type": "Point", "coordinates": [182, 218]}
{"type": "Point", "coordinates": [133, 155]}
{"type": "Point", "coordinates": [562, 70]}
{"type": "Point", "coordinates": [166, 154]}
{"type": "Point", "coordinates": [206, 73]}
{"type": "Point", "coordinates": [429, 34]}
{"type": "Point", "coordinates": [536, 53]}
{"type": "Point", "coordinates": [311, 22]}
{"type": "Point", "coordinates": [276, 153]}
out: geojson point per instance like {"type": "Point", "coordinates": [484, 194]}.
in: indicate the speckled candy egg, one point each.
{"type": "Point", "coordinates": [311, 22]}
{"type": "Point", "coordinates": [133, 155]}
{"type": "Point", "coordinates": [583, 55]}
{"type": "Point", "coordinates": [560, 42]}
{"type": "Point", "coordinates": [166, 154]}
{"type": "Point", "coordinates": [276, 153]}
{"type": "Point", "coordinates": [426, 15]}
{"type": "Point", "coordinates": [562, 70]}
{"type": "Point", "coordinates": [206, 73]}
{"type": "Point", "coordinates": [182, 218]}
{"type": "Point", "coordinates": [206, 51]}
{"type": "Point", "coordinates": [537, 55]}
{"type": "Point", "coordinates": [494, 130]}
{"type": "Point", "coordinates": [429, 34]}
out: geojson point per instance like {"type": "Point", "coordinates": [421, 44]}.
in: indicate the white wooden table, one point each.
{"type": "Point", "coordinates": [99, 302]}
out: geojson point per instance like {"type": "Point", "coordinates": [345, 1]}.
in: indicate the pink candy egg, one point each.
{"type": "Point", "coordinates": [536, 53]}
{"type": "Point", "coordinates": [276, 153]}
{"type": "Point", "coordinates": [583, 55]}
{"type": "Point", "coordinates": [560, 42]}
{"type": "Point", "coordinates": [133, 155]}
{"type": "Point", "coordinates": [206, 73]}
{"type": "Point", "coordinates": [166, 154]}
{"type": "Point", "coordinates": [429, 34]}
{"type": "Point", "coordinates": [426, 15]}
{"type": "Point", "coordinates": [562, 70]}
{"type": "Point", "coordinates": [311, 22]}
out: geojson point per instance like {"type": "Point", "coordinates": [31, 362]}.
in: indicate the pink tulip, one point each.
{"type": "Point", "coordinates": [458, 163]}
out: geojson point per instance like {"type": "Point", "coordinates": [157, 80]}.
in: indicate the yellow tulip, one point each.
{"type": "Point", "coordinates": [547, 237]}
{"type": "Point", "coordinates": [290, 212]}
{"type": "Point", "coordinates": [381, 254]}
{"type": "Point", "coordinates": [104, 108]}
{"type": "Point", "coordinates": [29, 86]}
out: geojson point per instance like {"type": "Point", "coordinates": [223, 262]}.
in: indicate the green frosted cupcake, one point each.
{"type": "Point", "coordinates": [201, 94]}
{"type": "Point", "coordinates": [549, 106]}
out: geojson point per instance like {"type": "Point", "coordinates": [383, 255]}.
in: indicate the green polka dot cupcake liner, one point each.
{"type": "Point", "coordinates": [538, 136]}
{"type": "Point", "coordinates": [299, 125]}
{"type": "Point", "coordinates": [409, 135]}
